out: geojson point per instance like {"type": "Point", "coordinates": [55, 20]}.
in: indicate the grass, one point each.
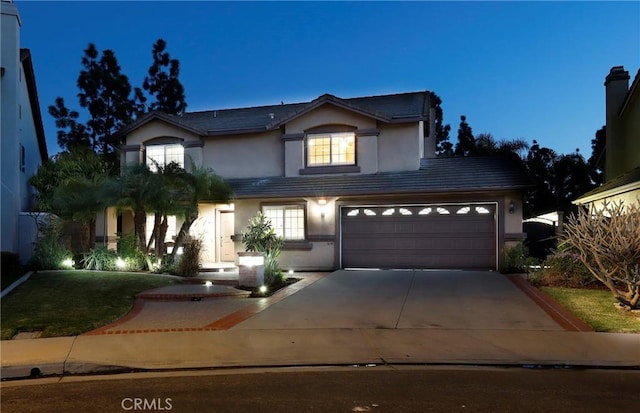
{"type": "Point", "coordinates": [596, 308]}
{"type": "Point", "coordinates": [68, 303]}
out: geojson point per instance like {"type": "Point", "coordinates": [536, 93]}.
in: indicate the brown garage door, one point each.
{"type": "Point", "coordinates": [424, 236]}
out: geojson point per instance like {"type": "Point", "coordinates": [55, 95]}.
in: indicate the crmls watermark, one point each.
{"type": "Point", "coordinates": [144, 404]}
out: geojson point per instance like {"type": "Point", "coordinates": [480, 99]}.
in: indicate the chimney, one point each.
{"type": "Point", "coordinates": [616, 89]}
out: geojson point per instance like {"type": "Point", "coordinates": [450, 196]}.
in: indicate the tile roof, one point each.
{"type": "Point", "coordinates": [390, 108]}
{"type": "Point", "coordinates": [437, 175]}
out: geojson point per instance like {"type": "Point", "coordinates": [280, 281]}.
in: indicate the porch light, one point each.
{"type": "Point", "coordinates": [323, 206]}
{"type": "Point", "coordinates": [120, 263]}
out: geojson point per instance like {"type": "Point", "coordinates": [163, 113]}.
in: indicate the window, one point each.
{"type": "Point", "coordinates": [286, 220]}
{"type": "Point", "coordinates": [161, 155]}
{"type": "Point", "coordinates": [331, 149]}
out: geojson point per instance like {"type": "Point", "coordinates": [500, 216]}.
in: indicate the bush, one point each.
{"type": "Point", "coordinates": [517, 259]}
{"type": "Point", "coordinates": [189, 264]}
{"type": "Point", "coordinates": [128, 250]}
{"type": "Point", "coordinates": [101, 259]}
{"type": "Point", "coordinates": [261, 237]}
{"type": "Point", "coordinates": [607, 239]}
{"type": "Point", "coordinates": [49, 252]}
{"type": "Point", "coordinates": [564, 269]}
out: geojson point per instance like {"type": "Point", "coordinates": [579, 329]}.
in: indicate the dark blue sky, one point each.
{"type": "Point", "coordinates": [531, 70]}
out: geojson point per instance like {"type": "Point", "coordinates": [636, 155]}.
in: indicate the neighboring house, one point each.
{"type": "Point", "coordinates": [347, 182]}
{"type": "Point", "coordinates": [23, 144]}
{"type": "Point", "coordinates": [622, 150]}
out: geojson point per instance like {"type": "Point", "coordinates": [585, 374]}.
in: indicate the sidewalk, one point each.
{"type": "Point", "coordinates": [183, 334]}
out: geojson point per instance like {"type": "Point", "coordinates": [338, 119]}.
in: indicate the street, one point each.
{"type": "Point", "coordinates": [354, 389]}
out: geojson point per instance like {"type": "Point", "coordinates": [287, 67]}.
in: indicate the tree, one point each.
{"type": "Point", "coordinates": [572, 178]}
{"type": "Point", "coordinates": [596, 160]}
{"type": "Point", "coordinates": [162, 82]}
{"type": "Point", "coordinates": [443, 146]}
{"type": "Point", "coordinates": [71, 134]}
{"type": "Point", "coordinates": [70, 186]}
{"type": "Point", "coordinates": [539, 163]}
{"type": "Point", "coordinates": [200, 185]}
{"type": "Point", "coordinates": [136, 189]}
{"type": "Point", "coordinates": [608, 242]}
{"type": "Point", "coordinates": [104, 92]}
{"type": "Point", "coordinates": [466, 142]}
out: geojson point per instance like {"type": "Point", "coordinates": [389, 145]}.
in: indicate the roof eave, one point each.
{"type": "Point", "coordinates": [32, 89]}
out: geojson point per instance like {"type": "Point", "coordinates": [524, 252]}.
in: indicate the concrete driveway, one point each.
{"type": "Point", "coordinates": [411, 299]}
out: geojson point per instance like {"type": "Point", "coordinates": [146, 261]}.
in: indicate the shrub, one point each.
{"type": "Point", "coordinates": [189, 264]}
{"type": "Point", "coordinates": [49, 252]}
{"type": "Point", "coordinates": [564, 269]}
{"type": "Point", "coordinates": [261, 237]}
{"type": "Point", "coordinates": [101, 259]}
{"type": "Point", "coordinates": [517, 259]}
{"type": "Point", "coordinates": [607, 240]}
{"type": "Point", "coordinates": [128, 250]}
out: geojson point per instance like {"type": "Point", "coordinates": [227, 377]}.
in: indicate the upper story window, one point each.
{"type": "Point", "coordinates": [325, 149]}
{"type": "Point", "coordinates": [161, 155]}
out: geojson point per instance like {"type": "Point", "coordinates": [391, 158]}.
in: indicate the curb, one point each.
{"type": "Point", "coordinates": [559, 314]}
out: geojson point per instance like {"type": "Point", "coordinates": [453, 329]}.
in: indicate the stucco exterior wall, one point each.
{"type": "Point", "coordinates": [367, 154]}
{"type": "Point", "coordinates": [400, 147]}
{"type": "Point", "coordinates": [29, 140]}
{"type": "Point", "coordinates": [293, 157]}
{"type": "Point", "coordinates": [157, 129]}
{"type": "Point", "coordinates": [245, 156]}
{"type": "Point", "coordinates": [328, 115]}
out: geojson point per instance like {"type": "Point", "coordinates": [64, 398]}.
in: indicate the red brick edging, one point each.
{"type": "Point", "coordinates": [559, 314]}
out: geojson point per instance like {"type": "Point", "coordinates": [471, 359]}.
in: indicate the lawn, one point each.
{"type": "Point", "coordinates": [68, 303]}
{"type": "Point", "coordinates": [596, 308]}
{"type": "Point", "coordinates": [9, 278]}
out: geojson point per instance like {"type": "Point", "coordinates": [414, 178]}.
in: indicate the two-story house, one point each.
{"type": "Point", "coordinates": [348, 182]}
{"type": "Point", "coordinates": [622, 148]}
{"type": "Point", "coordinates": [22, 139]}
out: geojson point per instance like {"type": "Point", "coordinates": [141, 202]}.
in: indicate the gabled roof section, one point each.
{"type": "Point", "coordinates": [156, 115]}
{"type": "Point", "coordinates": [437, 175]}
{"type": "Point", "coordinates": [626, 182]}
{"type": "Point", "coordinates": [403, 107]}
{"type": "Point", "coordinates": [29, 74]}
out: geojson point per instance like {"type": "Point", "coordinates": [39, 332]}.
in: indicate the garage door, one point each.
{"type": "Point", "coordinates": [422, 236]}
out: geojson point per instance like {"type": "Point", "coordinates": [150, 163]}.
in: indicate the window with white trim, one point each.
{"type": "Point", "coordinates": [286, 220]}
{"type": "Point", "coordinates": [162, 155]}
{"type": "Point", "coordinates": [326, 149]}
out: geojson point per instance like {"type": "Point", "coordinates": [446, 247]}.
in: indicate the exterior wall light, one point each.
{"type": "Point", "coordinates": [323, 206]}
{"type": "Point", "coordinates": [512, 207]}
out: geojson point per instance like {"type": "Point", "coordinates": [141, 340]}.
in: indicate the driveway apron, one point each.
{"type": "Point", "coordinates": [406, 299]}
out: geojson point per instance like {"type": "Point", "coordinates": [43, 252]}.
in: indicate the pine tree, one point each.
{"type": "Point", "coordinates": [104, 92]}
{"type": "Point", "coordinates": [162, 82]}
{"type": "Point", "coordinates": [466, 142]}
{"type": "Point", "coordinates": [443, 146]}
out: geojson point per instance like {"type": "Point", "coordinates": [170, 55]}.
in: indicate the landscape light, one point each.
{"type": "Point", "coordinates": [69, 263]}
{"type": "Point", "coordinates": [208, 283]}
{"type": "Point", "coordinates": [120, 263]}
{"type": "Point", "coordinates": [263, 289]}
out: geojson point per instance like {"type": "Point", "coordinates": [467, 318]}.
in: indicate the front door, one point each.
{"type": "Point", "coordinates": [227, 247]}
